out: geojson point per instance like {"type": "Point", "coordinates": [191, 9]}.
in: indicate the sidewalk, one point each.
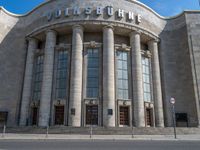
{"type": "Point", "coordinates": [191, 137]}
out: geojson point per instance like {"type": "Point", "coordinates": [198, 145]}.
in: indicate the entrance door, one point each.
{"type": "Point", "coordinates": [34, 116]}
{"type": "Point", "coordinates": [3, 118]}
{"type": "Point", "coordinates": [91, 114]}
{"type": "Point", "coordinates": [124, 115]}
{"type": "Point", "coordinates": [59, 115]}
{"type": "Point", "coordinates": [149, 122]}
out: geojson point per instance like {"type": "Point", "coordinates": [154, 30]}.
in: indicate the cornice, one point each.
{"type": "Point", "coordinates": [132, 1]}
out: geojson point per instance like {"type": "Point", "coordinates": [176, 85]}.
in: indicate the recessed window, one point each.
{"type": "Point", "coordinates": [146, 74]}
{"type": "Point", "coordinates": [92, 73]}
{"type": "Point", "coordinates": [38, 75]}
{"type": "Point", "coordinates": [122, 75]}
{"type": "Point", "coordinates": [61, 75]}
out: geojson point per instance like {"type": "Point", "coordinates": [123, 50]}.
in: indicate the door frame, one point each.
{"type": "Point", "coordinates": [91, 102]}
{"type": "Point", "coordinates": [63, 115]}
{"type": "Point", "coordinates": [124, 103]}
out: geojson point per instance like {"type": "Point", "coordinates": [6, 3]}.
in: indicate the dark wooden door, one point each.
{"type": "Point", "coordinates": [59, 115]}
{"type": "Point", "coordinates": [124, 115]}
{"type": "Point", "coordinates": [148, 117]}
{"type": "Point", "coordinates": [92, 115]}
{"type": "Point", "coordinates": [3, 118]}
{"type": "Point", "coordinates": [34, 116]}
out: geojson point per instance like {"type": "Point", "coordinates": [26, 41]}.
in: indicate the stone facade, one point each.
{"type": "Point", "coordinates": [76, 32]}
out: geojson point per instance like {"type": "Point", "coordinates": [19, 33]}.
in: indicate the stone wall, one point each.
{"type": "Point", "coordinates": [179, 49]}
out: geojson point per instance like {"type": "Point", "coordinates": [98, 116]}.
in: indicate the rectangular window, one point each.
{"type": "Point", "coordinates": [92, 73]}
{"type": "Point", "coordinates": [38, 75]}
{"type": "Point", "coordinates": [61, 76]}
{"type": "Point", "coordinates": [122, 75]}
{"type": "Point", "coordinates": [146, 73]}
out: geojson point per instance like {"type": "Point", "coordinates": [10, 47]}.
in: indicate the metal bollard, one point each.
{"type": "Point", "coordinates": [132, 133]}
{"type": "Point", "coordinates": [4, 131]}
{"type": "Point", "coordinates": [47, 132]}
{"type": "Point", "coordinates": [90, 132]}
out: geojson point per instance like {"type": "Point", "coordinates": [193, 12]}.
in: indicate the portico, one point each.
{"type": "Point", "coordinates": [110, 107]}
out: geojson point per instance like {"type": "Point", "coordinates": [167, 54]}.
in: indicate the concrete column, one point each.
{"type": "Point", "coordinates": [108, 77]}
{"type": "Point", "coordinates": [136, 62]}
{"type": "Point", "coordinates": [76, 77]}
{"type": "Point", "coordinates": [26, 95]}
{"type": "Point", "coordinates": [157, 92]}
{"type": "Point", "coordinates": [46, 91]}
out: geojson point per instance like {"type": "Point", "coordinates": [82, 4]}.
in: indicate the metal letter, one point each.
{"type": "Point", "coordinates": [66, 12]}
{"type": "Point", "coordinates": [76, 11]}
{"type": "Point", "coordinates": [88, 10]}
{"type": "Point", "coordinates": [58, 13]}
{"type": "Point", "coordinates": [139, 18]}
{"type": "Point", "coordinates": [110, 11]}
{"type": "Point", "coordinates": [99, 10]}
{"type": "Point", "coordinates": [130, 15]}
{"type": "Point", "coordinates": [121, 13]}
{"type": "Point", "coordinates": [49, 16]}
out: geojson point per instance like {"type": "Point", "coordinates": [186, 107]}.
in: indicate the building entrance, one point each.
{"type": "Point", "coordinates": [3, 118]}
{"type": "Point", "coordinates": [149, 122]}
{"type": "Point", "coordinates": [91, 114]}
{"type": "Point", "coordinates": [34, 116]}
{"type": "Point", "coordinates": [124, 115]}
{"type": "Point", "coordinates": [59, 115]}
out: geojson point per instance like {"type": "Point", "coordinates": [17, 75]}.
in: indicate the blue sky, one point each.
{"type": "Point", "coordinates": [163, 7]}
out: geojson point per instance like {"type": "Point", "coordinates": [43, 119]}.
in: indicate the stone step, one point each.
{"type": "Point", "coordinates": [102, 130]}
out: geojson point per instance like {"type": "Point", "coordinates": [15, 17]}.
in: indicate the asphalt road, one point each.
{"type": "Point", "coordinates": [97, 145]}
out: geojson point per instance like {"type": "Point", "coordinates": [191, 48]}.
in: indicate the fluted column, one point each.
{"type": "Point", "coordinates": [76, 77]}
{"type": "Point", "coordinates": [108, 77]}
{"type": "Point", "coordinates": [157, 92]}
{"type": "Point", "coordinates": [45, 101]}
{"type": "Point", "coordinates": [26, 95]}
{"type": "Point", "coordinates": [136, 61]}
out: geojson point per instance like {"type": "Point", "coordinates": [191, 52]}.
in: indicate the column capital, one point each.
{"type": "Point", "coordinates": [51, 31]}
{"type": "Point", "coordinates": [77, 26]}
{"type": "Point", "coordinates": [32, 39]}
{"type": "Point", "coordinates": [154, 40]}
{"type": "Point", "coordinates": [108, 27]}
{"type": "Point", "coordinates": [135, 32]}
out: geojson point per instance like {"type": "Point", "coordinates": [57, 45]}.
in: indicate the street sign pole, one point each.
{"type": "Point", "coordinates": [172, 101]}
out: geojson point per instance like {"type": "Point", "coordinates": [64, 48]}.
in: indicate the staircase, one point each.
{"type": "Point", "coordinates": [101, 130]}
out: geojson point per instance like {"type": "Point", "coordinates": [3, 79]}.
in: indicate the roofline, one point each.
{"type": "Point", "coordinates": [26, 14]}
{"type": "Point", "coordinates": [133, 1]}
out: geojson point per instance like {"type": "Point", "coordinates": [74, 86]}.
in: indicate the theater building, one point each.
{"type": "Point", "coordinates": [110, 63]}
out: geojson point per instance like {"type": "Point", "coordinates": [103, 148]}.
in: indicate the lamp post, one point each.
{"type": "Point", "coordinates": [172, 101]}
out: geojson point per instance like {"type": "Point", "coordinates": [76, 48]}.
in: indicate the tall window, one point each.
{"type": "Point", "coordinates": [146, 79]}
{"type": "Point", "coordinates": [92, 73]}
{"type": "Point", "coordinates": [122, 75]}
{"type": "Point", "coordinates": [38, 74]}
{"type": "Point", "coordinates": [61, 76]}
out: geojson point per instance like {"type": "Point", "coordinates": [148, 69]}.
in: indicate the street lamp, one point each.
{"type": "Point", "coordinates": [172, 102]}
